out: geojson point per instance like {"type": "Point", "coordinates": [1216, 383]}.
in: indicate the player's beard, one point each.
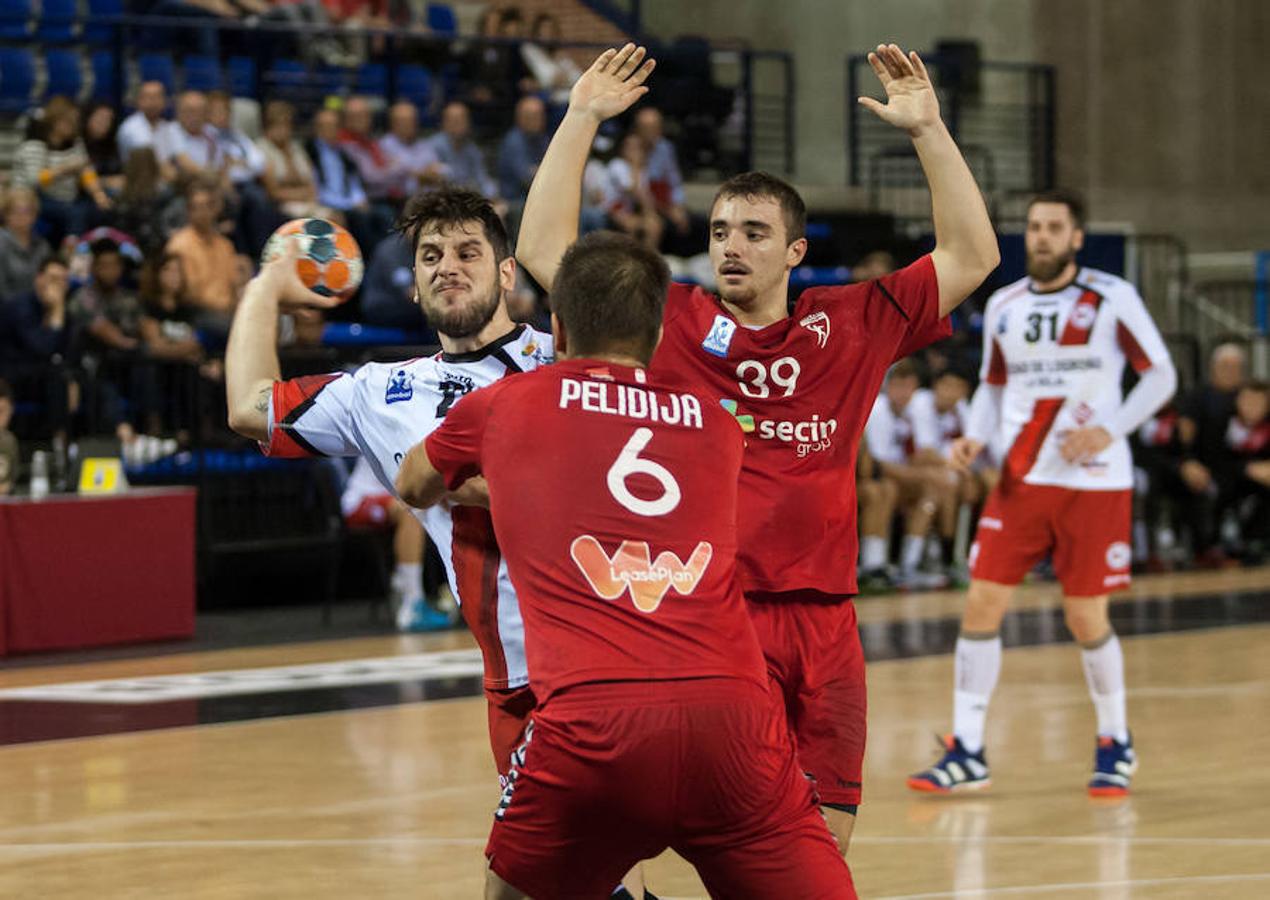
{"type": "Point", "coordinates": [463, 320]}
{"type": "Point", "coordinates": [1047, 269]}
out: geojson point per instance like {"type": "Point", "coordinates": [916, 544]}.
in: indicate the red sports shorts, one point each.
{"type": "Point", "coordinates": [613, 773]}
{"type": "Point", "coordinates": [1087, 530]}
{"type": "Point", "coordinates": [508, 715]}
{"type": "Point", "coordinates": [373, 510]}
{"type": "Point", "coordinates": [813, 652]}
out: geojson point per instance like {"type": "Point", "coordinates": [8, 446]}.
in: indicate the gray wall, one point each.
{"type": "Point", "coordinates": [1164, 105]}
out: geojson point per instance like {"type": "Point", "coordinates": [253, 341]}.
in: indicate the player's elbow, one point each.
{"type": "Point", "coordinates": [248, 422]}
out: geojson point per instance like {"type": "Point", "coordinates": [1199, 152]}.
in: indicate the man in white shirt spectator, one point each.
{"type": "Point", "coordinates": [664, 178]}
{"type": "Point", "coordinates": [461, 160]}
{"type": "Point", "coordinates": [409, 151]}
{"type": "Point", "coordinates": [190, 142]}
{"type": "Point", "coordinates": [146, 127]}
{"type": "Point", "coordinates": [244, 163]}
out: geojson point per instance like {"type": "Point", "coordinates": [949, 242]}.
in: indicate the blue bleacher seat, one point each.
{"type": "Point", "coordinates": [286, 77]}
{"type": "Point", "coordinates": [64, 75]}
{"type": "Point", "coordinates": [157, 67]}
{"type": "Point", "coordinates": [56, 24]}
{"type": "Point", "coordinates": [97, 28]}
{"type": "Point", "coordinates": [414, 83]}
{"type": "Point", "coordinates": [105, 78]}
{"type": "Point", "coordinates": [17, 78]}
{"type": "Point", "coordinates": [441, 19]}
{"type": "Point", "coordinates": [371, 79]}
{"type": "Point", "coordinates": [242, 76]}
{"type": "Point", "coordinates": [202, 73]}
{"type": "Point", "coordinates": [328, 80]}
{"type": "Point", "coordinates": [15, 19]}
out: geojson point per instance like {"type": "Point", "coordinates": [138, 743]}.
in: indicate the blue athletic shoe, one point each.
{"type": "Point", "coordinates": [1114, 765]}
{"type": "Point", "coordinates": [418, 615]}
{"type": "Point", "coordinates": [958, 770]}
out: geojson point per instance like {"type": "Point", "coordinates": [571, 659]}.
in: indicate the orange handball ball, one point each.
{"type": "Point", "coordinates": [327, 259]}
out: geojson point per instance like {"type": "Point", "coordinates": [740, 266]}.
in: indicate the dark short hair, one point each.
{"type": "Point", "coordinates": [50, 261]}
{"type": "Point", "coordinates": [6, 392]}
{"type": "Point", "coordinates": [761, 185]}
{"type": "Point", "coordinates": [1073, 201]}
{"type": "Point", "coordinates": [609, 295]}
{"type": "Point", "coordinates": [448, 206]}
{"type": "Point", "coordinates": [103, 247]}
{"type": "Point", "coordinates": [956, 371]}
{"type": "Point", "coordinates": [905, 368]}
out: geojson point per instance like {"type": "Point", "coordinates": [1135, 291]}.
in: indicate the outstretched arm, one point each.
{"type": "Point", "coordinates": [965, 244]}
{"type": "Point", "coordinates": [251, 358]}
{"type": "Point", "coordinates": [550, 222]}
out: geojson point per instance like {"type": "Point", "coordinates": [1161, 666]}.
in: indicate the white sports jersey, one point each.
{"type": "Point", "coordinates": [951, 424]}
{"type": "Point", "coordinates": [894, 437]}
{"type": "Point", "coordinates": [1059, 357]}
{"type": "Point", "coordinates": [382, 410]}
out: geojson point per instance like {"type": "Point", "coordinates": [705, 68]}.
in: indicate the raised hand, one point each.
{"type": "Point", "coordinates": [911, 103]}
{"type": "Point", "coordinates": [614, 82]}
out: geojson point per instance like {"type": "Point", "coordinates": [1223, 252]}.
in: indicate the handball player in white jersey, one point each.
{"type": "Point", "coordinates": [463, 272]}
{"type": "Point", "coordinates": [1055, 345]}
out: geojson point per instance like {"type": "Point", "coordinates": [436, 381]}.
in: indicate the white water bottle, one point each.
{"type": "Point", "coordinates": [39, 474]}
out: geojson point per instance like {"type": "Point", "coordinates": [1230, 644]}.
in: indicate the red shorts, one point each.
{"type": "Point", "coordinates": [1087, 530]}
{"type": "Point", "coordinates": [613, 773]}
{"type": "Point", "coordinates": [508, 715]}
{"type": "Point", "coordinates": [814, 655]}
{"type": "Point", "coordinates": [373, 510]}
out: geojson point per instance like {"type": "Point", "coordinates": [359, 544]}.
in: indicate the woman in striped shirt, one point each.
{"type": "Point", "coordinates": [58, 167]}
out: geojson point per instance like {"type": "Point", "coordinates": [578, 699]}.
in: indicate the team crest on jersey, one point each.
{"type": "Point", "coordinates": [632, 568]}
{"type": "Point", "coordinates": [720, 336]}
{"type": "Point", "coordinates": [1119, 555]}
{"type": "Point", "coordinates": [400, 387]}
{"type": "Point", "coordinates": [1083, 315]}
{"type": "Point", "coordinates": [818, 324]}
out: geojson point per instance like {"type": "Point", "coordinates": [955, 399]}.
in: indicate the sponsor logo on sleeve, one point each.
{"type": "Point", "coordinates": [720, 336]}
{"type": "Point", "coordinates": [400, 387]}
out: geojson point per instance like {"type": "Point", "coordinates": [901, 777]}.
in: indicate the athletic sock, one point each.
{"type": "Point", "coordinates": [872, 553]}
{"type": "Point", "coordinates": [911, 554]}
{"type": "Point", "coordinates": [976, 669]}
{"type": "Point", "coordinates": [408, 579]}
{"type": "Point", "coordinates": [1104, 673]}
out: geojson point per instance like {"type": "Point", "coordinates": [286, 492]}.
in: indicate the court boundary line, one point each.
{"type": "Point", "coordinates": [1083, 885]}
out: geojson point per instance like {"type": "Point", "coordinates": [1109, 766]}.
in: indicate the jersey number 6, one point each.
{"type": "Point", "coordinates": [628, 463]}
{"type": "Point", "coordinates": [753, 376]}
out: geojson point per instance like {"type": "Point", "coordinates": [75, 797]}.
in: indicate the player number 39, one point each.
{"type": "Point", "coordinates": [754, 375]}
{"type": "Point", "coordinates": [629, 463]}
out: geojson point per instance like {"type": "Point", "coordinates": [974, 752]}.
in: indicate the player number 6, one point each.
{"type": "Point", "coordinates": [628, 463]}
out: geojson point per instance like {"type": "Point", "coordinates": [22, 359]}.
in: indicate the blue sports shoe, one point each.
{"type": "Point", "coordinates": [958, 770]}
{"type": "Point", "coordinates": [418, 615]}
{"type": "Point", "coordinates": [1114, 764]}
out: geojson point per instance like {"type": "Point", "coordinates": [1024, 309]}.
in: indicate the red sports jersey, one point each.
{"type": "Point", "coordinates": [802, 389]}
{"type": "Point", "coordinates": [614, 500]}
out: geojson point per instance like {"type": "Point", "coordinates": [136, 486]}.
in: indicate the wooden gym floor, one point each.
{"type": "Point", "coordinates": [342, 779]}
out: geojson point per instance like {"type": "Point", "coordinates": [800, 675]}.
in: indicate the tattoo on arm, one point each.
{"type": "Point", "coordinates": [263, 399]}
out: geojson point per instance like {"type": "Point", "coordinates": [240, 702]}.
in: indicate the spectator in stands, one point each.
{"type": "Point", "coordinates": [1205, 418]}
{"type": "Point", "coordinates": [167, 325]}
{"type": "Point", "coordinates": [665, 180]}
{"type": "Point", "coordinates": [214, 274]}
{"type": "Point", "coordinates": [109, 312]}
{"type": "Point", "coordinates": [191, 143]}
{"type": "Point", "coordinates": [522, 150]}
{"type": "Point", "coordinates": [101, 142]}
{"type": "Point", "coordinates": [205, 38]}
{"type": "Point", "coordinates": [57, 166]}
{"type": "Point", "coordinates": [876, 496]}
{"type": "Point", "coordinates": [409, 151]}
{"type": "Point", "coordinates": [632, 208]}
{"type": "Point", "coordinates": [36, 338]}
{"type": "Point", "coordinates": [597, 187]}
{"type": "Point", "coordinates": [146, 127]}
{"type": "Point", "coordinates": [494, 72]}
{"type": "Point", "coordinates": [873, 265]}
{"type": "Point", "coordinates": [384, 181]}
{"type": "Point", "coordinates": [339, 186]}
{"type": "Point", "coordinates": [22, 251]}
{"type": "Point", "coordinates": [243, 163]}
{"type": "Point", "coordinates": [461, 160]}
{"type": "Point", "coordinates": [551, 66]}
{"type": "Point", "coordinates": [1246, 485]}
{"type": "Point", "coordinates": [145, 207]}
{"type": "Point", "coordinates": [8, 443]}
{"type": "Point", "coordinates": [288, 172]}
{"type": "Point", "coordinates": [903, 438]}
{"type": "Point", "coordinates": [387, 295]}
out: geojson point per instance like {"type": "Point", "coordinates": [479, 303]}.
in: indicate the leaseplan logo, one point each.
{"type": "Point", "coordinates": [745, 421]}
{"type": "Point", "coordinates": [633, 568]}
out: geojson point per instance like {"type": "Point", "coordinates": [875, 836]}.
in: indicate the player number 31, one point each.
{"type": "Point", "coordinates": [754, 376]}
